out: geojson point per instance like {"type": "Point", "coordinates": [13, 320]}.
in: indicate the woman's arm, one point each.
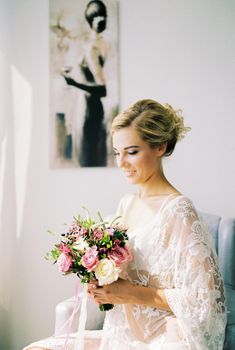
{"type": "Point", "coordinates": [93, 60]}
{"type": "Point", "coordinates": [99, 90]}
{"type": "Point", "coordinates": [124, 292]}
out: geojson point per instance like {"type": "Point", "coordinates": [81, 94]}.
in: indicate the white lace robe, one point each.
{"type": "Point", "coordinates": [173, 251]}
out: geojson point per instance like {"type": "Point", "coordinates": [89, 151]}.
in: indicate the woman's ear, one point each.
{"type": "Point", "coordinates": [161, 149]}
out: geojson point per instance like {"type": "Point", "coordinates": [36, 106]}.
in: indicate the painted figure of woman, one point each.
{"type": "Point", "coordinates": [91, 143]}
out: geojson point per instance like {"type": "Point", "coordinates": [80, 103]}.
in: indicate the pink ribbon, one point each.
{"type": "Point", "coordinates": [82, 321]}
{"type": "Point", "coordinates": [68, 324]}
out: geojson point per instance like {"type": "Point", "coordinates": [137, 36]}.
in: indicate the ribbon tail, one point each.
{"type": "Point", "coordinates": [82, 321]}
{"type": "Point", "coordinates": [75, 310]}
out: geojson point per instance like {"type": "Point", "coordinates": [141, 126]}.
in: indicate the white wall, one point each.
{"type": "Point", "coordinates": [174, 51]}
{"type": "Point", "coordinates": [7, 191]}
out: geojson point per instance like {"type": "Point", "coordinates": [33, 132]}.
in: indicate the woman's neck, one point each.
{"type": "Point", "coordinates": [94, 35]}
{"type": "Point", "coordinates": [157, 185]}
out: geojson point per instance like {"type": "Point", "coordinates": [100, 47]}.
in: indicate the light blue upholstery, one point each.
{"type": "Point", "coordinates": [223, 233]}
{"type": "Point", "coordinates": [227, 260]}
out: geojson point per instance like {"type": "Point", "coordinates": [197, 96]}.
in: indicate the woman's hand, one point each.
{"type": "Point", "coordinates": [99, 90]}
{"type": "Point", "coordinates": [119, 292]}
{"type": "Point", "coordinates": [69, 80]}
{"type": "Point", "coordinates": [124, 292]}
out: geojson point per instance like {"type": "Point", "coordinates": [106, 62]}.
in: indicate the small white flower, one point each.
{"type": "Point", "coordinates": [80, 245]}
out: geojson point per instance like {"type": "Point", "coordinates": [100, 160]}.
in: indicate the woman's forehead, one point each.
{"type": "Point", "coordinates": [126, 137]}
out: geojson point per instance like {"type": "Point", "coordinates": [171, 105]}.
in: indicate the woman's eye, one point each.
{"type": "Point", "coordinates": [132, 152]}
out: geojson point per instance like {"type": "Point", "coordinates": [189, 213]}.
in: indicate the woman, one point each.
{"type": "Point", "coordinates": [92, 149]}
{"type": "Point", "coordinates": [172, 296]}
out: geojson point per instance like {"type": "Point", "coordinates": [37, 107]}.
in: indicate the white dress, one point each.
{"type": "Point", "coordinates": [173, 251]}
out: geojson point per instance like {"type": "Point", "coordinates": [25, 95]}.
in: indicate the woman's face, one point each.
{"type": "Point", "coordinates": [135, 157]}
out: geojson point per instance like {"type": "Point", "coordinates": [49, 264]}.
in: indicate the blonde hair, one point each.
{"type": "Point", "coordinates": [155, 123]}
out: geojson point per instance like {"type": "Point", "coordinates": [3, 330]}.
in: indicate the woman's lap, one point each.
{"type": "Point", "coordinates": [92, 342]}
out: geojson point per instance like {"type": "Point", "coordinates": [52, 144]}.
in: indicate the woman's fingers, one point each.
{"type": "Point", "coordinates": [90, 289]}
{"type": "Point", "coordinates": [94, 292]}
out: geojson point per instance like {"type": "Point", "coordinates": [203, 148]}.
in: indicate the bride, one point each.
{"type": "Point", "coordinates": [173, 296]}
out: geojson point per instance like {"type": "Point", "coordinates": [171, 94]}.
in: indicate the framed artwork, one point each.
{"type": "Point", "coordinates": [84, 81]}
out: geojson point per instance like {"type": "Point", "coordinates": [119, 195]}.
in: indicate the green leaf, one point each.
{"type": "Point", "coordinates": [87, 212]}
{"type": "Point", "coordinates": [115, 219]}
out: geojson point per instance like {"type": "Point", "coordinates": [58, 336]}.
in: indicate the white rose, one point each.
{"type": "Point", "coordinates": [106, 272]}
{"type": "Point", "coordinates": [80, 245]}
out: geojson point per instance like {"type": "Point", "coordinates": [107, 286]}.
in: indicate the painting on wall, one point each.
{"type": "Point", "coordinates": [84, 81]}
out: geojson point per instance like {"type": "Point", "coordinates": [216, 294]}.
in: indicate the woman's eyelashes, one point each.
{"type": "Point", "coordinates": [129, 152]}
{"type": "Point", "coordinates": [132, 152]}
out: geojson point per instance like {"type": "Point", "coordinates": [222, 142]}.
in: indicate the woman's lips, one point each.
{"type": "Point", "coordinates": [130, 173]}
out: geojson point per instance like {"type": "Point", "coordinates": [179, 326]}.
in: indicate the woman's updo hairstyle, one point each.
{"type": "Point", "coordinates": [94, 9]}
{"type": "Point", "coordinates": [155, 123]}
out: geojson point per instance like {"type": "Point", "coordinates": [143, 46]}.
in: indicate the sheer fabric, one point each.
{"type": "Point", "coordinates": [173, 251]}
{"type": "Point", "coordinates": [92, 342]}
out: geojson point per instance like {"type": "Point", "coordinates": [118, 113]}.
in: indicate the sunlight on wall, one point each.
{"type": "Point", "coordinates": [22, 114]}
{"type": "Point", "coordinates": [6, 199]}
{"type": "Point", "coordinates": [3, 143]}
{"type": "Point", "coordinates": [3, 137]}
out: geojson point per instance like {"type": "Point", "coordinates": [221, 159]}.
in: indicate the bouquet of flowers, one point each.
{"type": "Point", "coordinates": [95, 251]}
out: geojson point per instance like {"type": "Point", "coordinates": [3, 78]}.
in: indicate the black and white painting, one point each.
{"type": "Point", "coordinates": [84, 81]}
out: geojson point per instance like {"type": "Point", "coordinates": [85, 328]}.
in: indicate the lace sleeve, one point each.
{"type": "Point", "coordinates": [198, 299]}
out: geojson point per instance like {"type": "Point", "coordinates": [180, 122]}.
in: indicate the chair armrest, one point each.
{"type": "Point", "coordinates": [95, 317]}
{"type": "Point", "coordinates": [227, 251]}
{"type": "Point", "coordinates": [63, 311]}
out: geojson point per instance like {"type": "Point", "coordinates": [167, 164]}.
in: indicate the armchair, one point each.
{"type": "Point", "coordinates": [223, 233]}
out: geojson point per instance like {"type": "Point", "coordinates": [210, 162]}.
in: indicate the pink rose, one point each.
{"type": "Point", "coordinates": [64, 248]}
{"type": "Point", "coordinates": [90, 259]}
{"type": "Point", "coordinates": [64, 262]}
{"type": "Point", "coordinates": [117, 242]}
{"type": "Point", "coordinates": [98, 234]}
{"type": "Point", "coordinates": [120, 255]}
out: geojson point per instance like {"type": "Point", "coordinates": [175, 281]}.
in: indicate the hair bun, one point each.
{"type": "Point", "coordinates": [156, 123]}
{"type": "Point", "coordinates": [177, 119]}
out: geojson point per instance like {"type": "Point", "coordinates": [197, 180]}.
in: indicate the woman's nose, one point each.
{"type": "Point", "coordinates": [120, 161]}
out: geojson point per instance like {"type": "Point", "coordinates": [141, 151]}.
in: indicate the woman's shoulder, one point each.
{"type": "Point", "coordinates": [124, 202]}
{"type": "Point", "coordinates": [127, 198]}
{"type": "Point", "coordinates": [182, 205]}
{"type": "Point", "coordinates": [182, 199]}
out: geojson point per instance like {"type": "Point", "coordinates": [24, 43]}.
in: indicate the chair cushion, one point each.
{"type": "Point", "coordinates": [227, 251]}
{"type": "Point", "coordinates": [230, 295]}
{"type": "Point", "coordinates": [212, 221]}
{"type": "Point", "coordinates": [229, 343]}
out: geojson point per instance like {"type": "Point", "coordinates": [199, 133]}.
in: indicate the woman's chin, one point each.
{"type": "Point", "coordinates": [132, 179]}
